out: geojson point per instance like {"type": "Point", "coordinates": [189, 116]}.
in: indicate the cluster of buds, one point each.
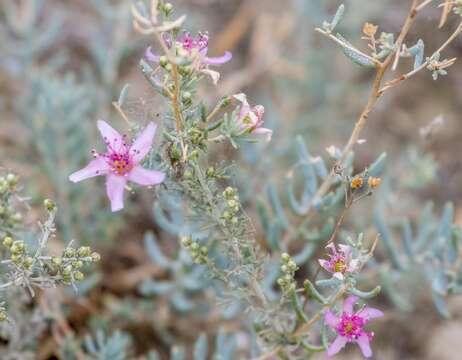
{"type": "Point", "coordinates": [232, 205]}
{"type": "Point", "coordinates": [8, 183]}
{"type": "Point", "coordinates": [9, 217]}
{"type": "Point", "coordinates": [198, 253]}
{"type": "Point", "coordinates": [72, 260]}
{"type": "Point", "coordinates": [438, 67]}
{"type": "Point", "coordinates": [358, 181]}
{"type": "Point", "coordinates": [18, 252]}
{"type": "Point", "coordinates": [288, 269]}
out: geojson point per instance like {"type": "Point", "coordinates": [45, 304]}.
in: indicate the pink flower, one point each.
{"type": "Point", "coordinates": [121, 163]}
{"type": "Point", "coordinates": [192, 45]}
{"type": "Point", "coordinates": [251, 119]}
{"type": "Point", "coordinates": [340, 262]}
{"type": "Point", "coordinates": [349, 327]}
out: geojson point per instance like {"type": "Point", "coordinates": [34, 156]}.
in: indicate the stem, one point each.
{"type": "Point", "coordinates": [406, 76]}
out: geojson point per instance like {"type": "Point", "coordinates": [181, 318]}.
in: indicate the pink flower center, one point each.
{"type": "Point", "coordinates": [337, 263]}
{"type": "Point", "coordinates": [351, 326]}
{"type": "Point", "coordinates": [200, 42]}
{"type": "Point", "coordinates": [118, 157]}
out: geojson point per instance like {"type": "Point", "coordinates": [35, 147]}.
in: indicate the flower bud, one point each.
{"type": "Point", "coordinates": [210, 172]}
{"type": "Point", "coordinates": [8, 241]}
{"type": "Point", "coordinates": [28, 261]}
{"type": "Point", "coordinates": [18, 247]}
{"type": "Point", "coordinates": [78, 276]}
{"type": "Point", "coordinates": [163, 61]}
{"type": "Point", "coordinates": [284, 268]}
{"type": "Point", "coordinates": [95, 257]}
{"type": "Point", "coordinates": [12, 180]}
{"type": "Point", "coordinates": [186, 241]}
{"type": "Point", "coordinates": [84, 251]}
{"type": "Point", "coordinates": [77, 264]}
{"type": "Point", "coordinates": [204, 251]}
{"type": "Point", "coordinates": [16, 217]}
{"type": "Point", "coordinates": [285, 257]}
{"type": "Point", "coordinates": [234, 220]}
{"type": "Point", "coordinates": [194, 246]}
{"type": "Point", "coordinates": [168, 8]}
{"type": "Point", "coordinates": [56, 260]}
{"type": "Point", "coordinates": [49, 205]}
{"type": "Point", "coordinates": [16, 258]}
{"type": "Point", "coordinates": [3, 316]}
{"type": "Point", "coordinates": [69, 252]}
{"type": "Point", "coordinates": [67, 270]}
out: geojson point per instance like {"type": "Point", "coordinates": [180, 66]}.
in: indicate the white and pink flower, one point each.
{"type": "Point", "coordinates": [197, 45]}
{"type": "Point", "coordinates": [349, 327]}
{"type": "Point", "coordinates": [340, 261]}
{"type": "Point", "coordinates": [251, 119]}
{"type": "Point", "coordinates": [121, 163]}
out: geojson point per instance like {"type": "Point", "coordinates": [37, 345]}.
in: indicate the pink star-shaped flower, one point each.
{"type": "Point", "coordinates": [121, 163]}
{"type": "Point", "coordinates": [349, 326]}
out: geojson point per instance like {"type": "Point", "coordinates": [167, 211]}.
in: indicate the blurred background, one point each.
{"type": "Point", "coordinates": [62, 63]}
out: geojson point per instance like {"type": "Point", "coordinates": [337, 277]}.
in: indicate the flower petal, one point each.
{"type": "Point", "coordinates": [337, 345]}
{"type": "Point", "coordinates": [324, 264]}
{"type": "Point", "coordinates": [245, 107]}
{"type": "Point", "coordinates": [332, 248]}
{"type": "Point", "coordinates": [115, 185]}
{"type": "Point", "coordinates": [112, 137]}
{"type": "Point", "coordinates": [267, 133]}
{"type": "Point", "coordinates": [219, 59]}
{"type": "Point", "coordinates": [364, 345]}
{"type": "Point", "coordinates": [338, 275]}
{"type": "Point", "coordinates": [370, 313]}
{"type": "Point", "coordinates": [214, 75]}
{"type": "Point", "coordinates": [145, 177]}
{"type": "Point", "coordinates": [348, 303]}
{"type": "Point", "coordinates": [95, 167]}
{"type": "Point", "coordinates": [330, 319]}
{"type": "Point", "coordinates": [143, 143]}
{"type": "Point", "coordinates": [346, 250]}
{"type": "Point", "coordinates": [149, 55]}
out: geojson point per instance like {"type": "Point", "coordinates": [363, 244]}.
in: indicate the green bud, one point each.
{"type": "Point", "coordinates": [49, 205]}
{"type": "Point", "coordinates": [226, 215]}
{"type": "Point", "coordinates": [77, 264]}
{"type": "Point", "coordinates": [284, 268]}
{"type": "Point", "coordinates": [16, 217]}
{"type": "Point", "coordinates": [28, 261]}
{"type": "Point", "coordinates": [8, 241]}
{"type": "Point", "coordinates": [12, 180]}
{"type": "Point", "coordinates": [78, 276]}
{"type": "Point", "coordinates": [281, 282]}
{"type": "Point", "coordinates": [84, 251]}
{"type": "Point", "coordinates": [186, 241]}
{"type": "Point", "coordinates": [168, 7]}
{"type": "Point", "coordinates": [16, 258]}
{"type": "Point", "coordinates": [234, 220]}
{"type": "Point", "coordinates": [210, 172]}
{"type": "Point", "coordinates": [69, 252]}
{"type": "Point", "coordinates": [229, 192]}
{"type": "Point", "coordinates": [292, 265]}
{"type": "Point", "coordinates": [95, 257]}
{"type": "Point", "coordinates": [288, 278]}
{"type": "Point", "coordinates": [3, 316]}
{"type": "Point", "coordinates": [163, 61]}
{"type": "Point", "coordinates": [194, 246]}
{"type": "Point", "coordinates": [67, 270]}
{"type": "Point", "coordinates": [18, 247]}
{"type": "Point", "coordinates": [168, 67]}
{"type": "Point", "coordinates": [56, 260]}
{"type": "Point", "coordinates": [204, 251]}
{"type": "Point", "coordinates": [285, 257]}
